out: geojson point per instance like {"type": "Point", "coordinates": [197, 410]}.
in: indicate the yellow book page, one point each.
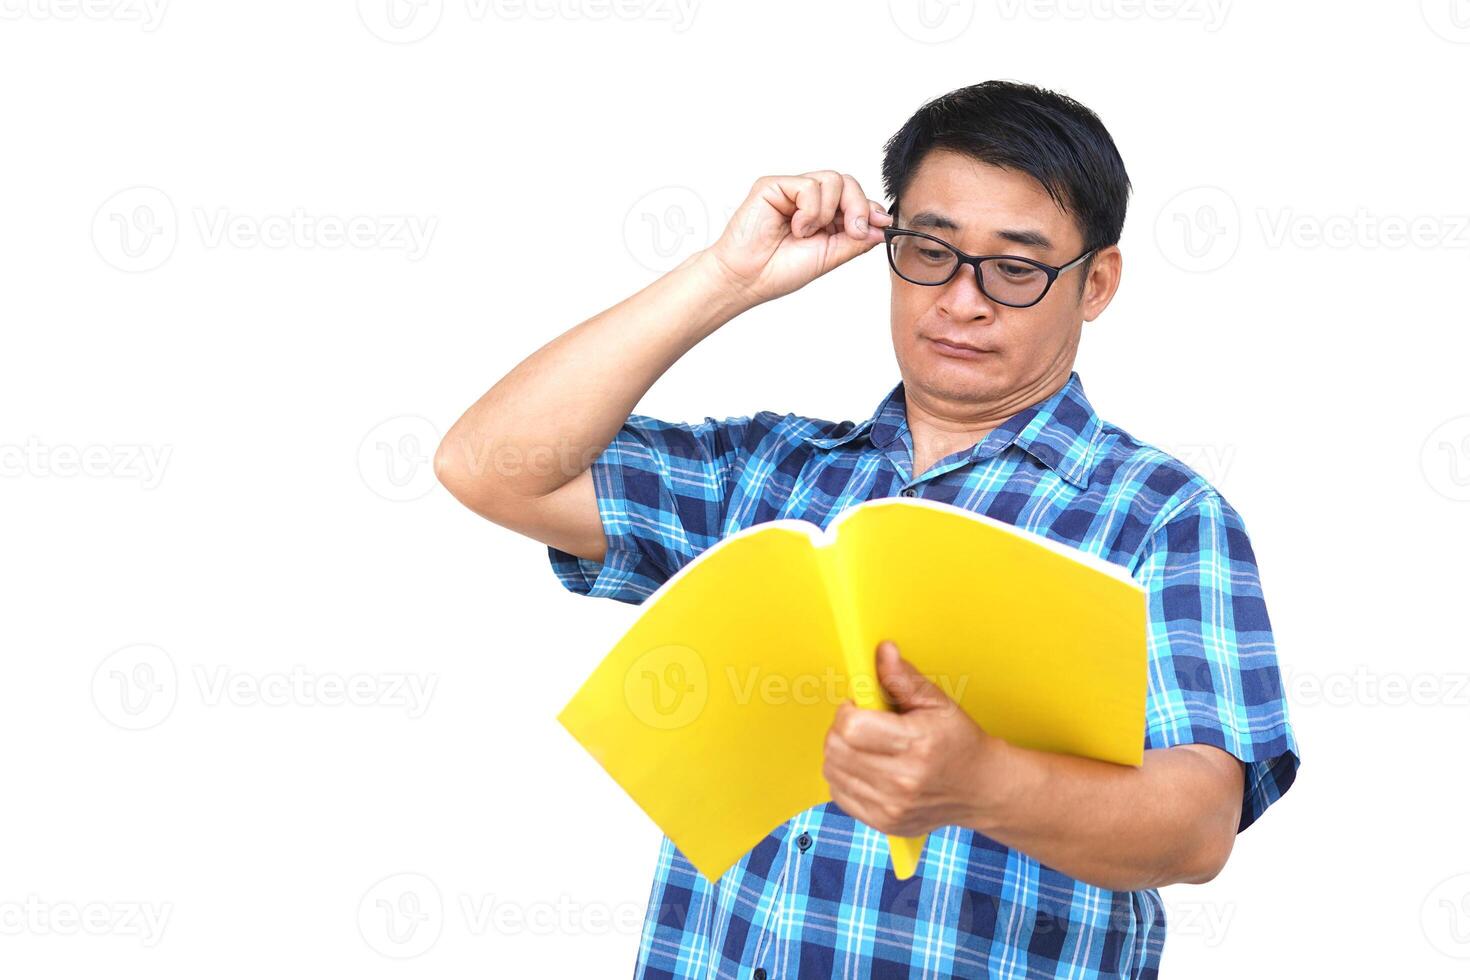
{"type": "Point", "coordinates": [712, 709]}
{"type": "Point", "coordinates": [862, 673]}
{"type": "Point", "coordinates": [1040, 644]}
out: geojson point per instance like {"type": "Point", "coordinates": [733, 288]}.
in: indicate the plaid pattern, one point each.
{"type": "Point", "coordinates": [816, 897]}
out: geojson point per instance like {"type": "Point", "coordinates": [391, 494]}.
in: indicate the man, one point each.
{"type": "Point", "coordinates": [1008, 204]}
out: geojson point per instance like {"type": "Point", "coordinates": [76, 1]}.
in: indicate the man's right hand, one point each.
{"type": "Point", "coordinates": [791, 230]}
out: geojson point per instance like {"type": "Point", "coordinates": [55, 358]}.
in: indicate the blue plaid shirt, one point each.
{"type": "Point", "coordinates": [817, 898]}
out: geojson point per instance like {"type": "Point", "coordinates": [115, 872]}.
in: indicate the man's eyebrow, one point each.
{"type": "Point", "coordinates": [1018, 236]}
{"type": "Point", "coordinates": [1034, 239]}
{"type": "Point", "coordinates": [933, 219]}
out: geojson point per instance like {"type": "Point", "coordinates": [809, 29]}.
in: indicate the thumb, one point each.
{"type": "Point", "coordinates": [907, 688]}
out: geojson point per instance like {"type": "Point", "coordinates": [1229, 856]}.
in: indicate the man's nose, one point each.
{"type": "Point", "coordinates": [961, 298]}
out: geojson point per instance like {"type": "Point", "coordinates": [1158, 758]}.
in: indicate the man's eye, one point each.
{"type": "Point", "coordinates": [1017, 271]}
{"type": "Point", "coordinates": [934, 254]}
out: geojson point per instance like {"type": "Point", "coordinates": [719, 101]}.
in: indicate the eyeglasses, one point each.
{"type": "Point", "coordinates": [1011, 280]}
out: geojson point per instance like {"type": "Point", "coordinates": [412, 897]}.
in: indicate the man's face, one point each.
{"type": "Point", "coordinates": [1025, 350]}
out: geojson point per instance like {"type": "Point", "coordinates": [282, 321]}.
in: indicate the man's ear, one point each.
{"type": "Point", "coordinates": [1100, 283]}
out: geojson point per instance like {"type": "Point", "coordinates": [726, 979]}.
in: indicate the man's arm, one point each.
{"type": "Point", "coordinates": [520, 456]}
{"type": "Point", "coordinates": [1173, 819]}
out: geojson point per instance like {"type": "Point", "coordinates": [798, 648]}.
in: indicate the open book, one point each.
{"type": "Point", "coordinates": [712, 709]}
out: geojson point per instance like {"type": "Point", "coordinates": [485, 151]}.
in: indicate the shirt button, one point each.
{"type": "Point", "coordinates": [910, 492]}
{"type": "Point", "coordinates": [760, 973]}
{"type": "Point", "coordinates": [804, 841]}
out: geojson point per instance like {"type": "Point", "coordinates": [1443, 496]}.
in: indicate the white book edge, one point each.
{"type": "Point", "coordinates": [823, 537]}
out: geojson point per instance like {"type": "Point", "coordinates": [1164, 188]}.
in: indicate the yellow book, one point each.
{"type": "Point", "coordinates": [712, 709]}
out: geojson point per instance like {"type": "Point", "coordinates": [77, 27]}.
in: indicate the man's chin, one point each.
{"type": "Point", "coordinates": [969, 381]}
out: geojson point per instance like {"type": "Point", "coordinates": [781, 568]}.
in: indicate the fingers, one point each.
{"type": "Point", "coordinates": [817, 196]}
{"type": "Point", "coordinates": [854, 787]}
{"type": "Point", "coordinates": [832, 202]}
{"type": "Point", "coordinates": [855, 207]}
{"type": "Point", "coordinates": [868, 730]}
{"type": "Point", "coordinates": [805, 194]}
{"type": "Point", "coordinates": [830, 182]}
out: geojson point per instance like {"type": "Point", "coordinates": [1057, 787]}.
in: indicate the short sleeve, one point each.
{"type": "Point", "coordinates": [662, 493]}
{"type": "Point", "coordinates": [1213, 677]}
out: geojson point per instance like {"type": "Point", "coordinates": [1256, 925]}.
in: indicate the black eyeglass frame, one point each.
{"type": "Point", "coordinates": [1052, 271]}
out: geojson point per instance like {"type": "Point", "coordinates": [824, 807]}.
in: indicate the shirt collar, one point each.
{"type": "Point", "coordinates": [1060, 431]}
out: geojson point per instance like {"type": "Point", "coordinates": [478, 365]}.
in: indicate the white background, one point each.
{"type": "Point", "coordinates": [217, 500]}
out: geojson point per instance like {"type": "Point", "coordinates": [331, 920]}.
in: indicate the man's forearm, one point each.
{"type": "Point", "coordinates": [1171, 820]}
{"type": "Point", "coordinates": [565, 402]}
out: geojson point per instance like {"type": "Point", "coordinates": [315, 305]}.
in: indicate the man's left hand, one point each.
{"type": "Point", "coordinates": [928, 765]}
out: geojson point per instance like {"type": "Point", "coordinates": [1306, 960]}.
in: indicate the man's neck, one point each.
{"type": "Point", "coordinates": [939, 429]}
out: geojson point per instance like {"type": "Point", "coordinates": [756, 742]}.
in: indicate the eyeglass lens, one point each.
{"type": "Point", "coordinates": [924, 261]}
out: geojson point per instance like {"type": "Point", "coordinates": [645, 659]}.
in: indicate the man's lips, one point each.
{"type": "Point", "coordinates": [957, 348]}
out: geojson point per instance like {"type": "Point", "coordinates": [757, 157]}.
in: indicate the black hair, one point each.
{"type": "Point", "coordinates": [1053, 138]}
